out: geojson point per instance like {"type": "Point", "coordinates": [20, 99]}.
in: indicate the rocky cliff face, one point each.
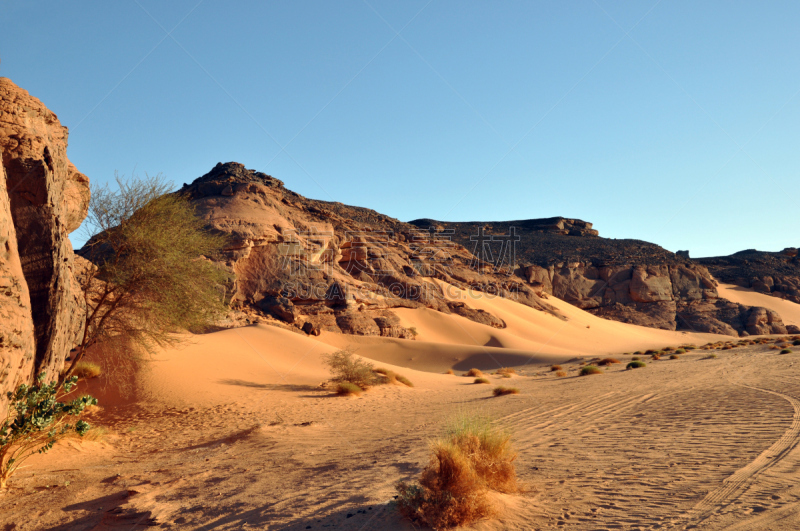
{"type": "Point", "coordinates": [328, 266]}
{"type": "Point", "coordinates": [625, 280]}
{"type": "Point", "coordinates": [42, 199]}
{"type": "Point", "coordinates": [776, 274]}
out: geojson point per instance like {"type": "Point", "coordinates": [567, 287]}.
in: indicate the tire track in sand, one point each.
{"type": "Point", "coordinates": [738, 483]}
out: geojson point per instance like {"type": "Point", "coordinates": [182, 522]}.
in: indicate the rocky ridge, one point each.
{"type": "Point", "coordinates": [776, 274]}
{"type": "Point", "coordinates": [625, 280]}
{"type": "Point", "coordinates": [327, 266]}
{"type": "Point", "coordinates": [43, 198]}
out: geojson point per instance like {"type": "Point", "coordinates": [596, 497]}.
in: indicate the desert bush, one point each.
{"type": "Point", "coordinates": [481, 381]}
{"type": "Point", "coordinates": [347, 389]}
{"type": "Point", "coordinates": [450, 371]}
{"type": "Point", "coordinates": [413, 330]}
{"type": "Point", "coordinates": [674, 356]}
{"type": "Point", "coordinates": [667, 349]}
{"type": "Point", "coordinates": [796, 342]}
{"type": "Point", "coordinates": [506, 372]}
{"type": "Point", "coordinates": [36, 420]}
{"type": "Point", "coordinates": [607, 361]}
{"type": "Point", "coordinates": [561, 374]}
{"type": "Point", "coordinates": [500, 391]}
{"type": "Point", "coordinates": [471, 459]}
{"type": "Point", "coordinates": [655, 357]}
{"type": "Point", "coordinates": [635, 358]}
{"type": "Point", "coordinates": [346, 367]}
{"type": "Point", "coordinates": [590, 369]}
{"type": "Point", "coordinates": [710, 357]}
{"type": "Point", "coordinates": [474, 372]}
{"type": "Point", "coordinates": [689, 347]}
{"type": "Point", "coordinates": [150, 274]}
{"type": "Point", "coordinates": [556, 368]}
{"type": "Point", "coordinates": [639, 352]}
{"type": "Point", "coordinates": [635, 365]}
{"type": "Point", "coordinates": [786, 351]}
{"type": "Point", "coordinates": [85, 370]}
{"type": "Point", "coordinates": [680, 351]}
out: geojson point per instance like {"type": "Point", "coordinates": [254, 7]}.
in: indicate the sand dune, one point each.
{"type": "Point", "coordinates": [233, 431]}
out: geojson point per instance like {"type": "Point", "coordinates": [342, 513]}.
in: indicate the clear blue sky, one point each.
{"type": "Point", "coordinates": [674, 122]}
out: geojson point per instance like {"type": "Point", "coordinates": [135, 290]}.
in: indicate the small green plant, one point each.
{"type": "Point", "coordinates": [635, 365]}
{"type": "Point", "coordinates": [348, 389]}
{"type": "Point", "coordinates": [680, 351]}
{"type": "Point", "coordinates": [346, 367]}
{"type": "Point", "coordinates": [36, 420]}
{"type": "Point", "coordinates": [635, 358]}
{"type": "Point", "coordinates": [590, 369]}
{"type": "Point", "coordinates": [481, 381]}
{"type": "Point", "coordinates": [786, 351]}
{"type": "Point", "coordinates": [501, 391]}
{"type": "Point", "coordinates": [85, 370]}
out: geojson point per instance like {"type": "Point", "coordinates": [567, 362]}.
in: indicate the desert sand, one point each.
{"type": "Point", "coordinates": [233, 431]}
{"type": "Point", "coordinates": [788, 310]}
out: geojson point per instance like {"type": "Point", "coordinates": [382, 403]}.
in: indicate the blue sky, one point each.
{"type": "Point", "coordinates": [667, 121]}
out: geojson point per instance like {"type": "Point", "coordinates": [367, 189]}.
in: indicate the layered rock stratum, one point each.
{"type": "Point", "coordinates": [43, 198]}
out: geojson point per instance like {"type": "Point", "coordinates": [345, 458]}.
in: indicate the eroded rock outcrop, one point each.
{"type": "Point", "coordinates": [776, 274]}
{"type": "Point", "coordinates": [625, 280]}
{"type": "Point", "coordinates": [337, 267]}
{"type": "Point", "coordinates": [42, 199]}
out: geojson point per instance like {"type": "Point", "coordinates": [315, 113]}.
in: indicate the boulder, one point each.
{"type": "Point", "coordinates": [477, 315]}
{"type": "Point", "coordinates": [792, 329]}
{"type": "Point", "coordinates": [280, 307]}
{"type": "Point", "coordinates": [764, 321]}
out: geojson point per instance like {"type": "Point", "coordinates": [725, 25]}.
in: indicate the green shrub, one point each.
{"type": "Point", "coordinates": [635, 358]}
{"type": "Point", "coordinates": [796, 342]}
{"type": "Point", "coordinates": [786, 351]}
{"type": "Point", "coordinates": [481, 381]}
{"type": "Point", "coordinates": [680, 351]}
{"type": "Point", "coordinates": [36, 420]}
{"type": "Point", "coordinates": [345, 366]}
{"type": "Point", "coordinates": [500, 391]}
{"type": "Point", "coordinates": [673, 356]}
{"type": "Point", "coordinates": [590, 369]}
{"type": "Point", "coordinates": [635, 365]}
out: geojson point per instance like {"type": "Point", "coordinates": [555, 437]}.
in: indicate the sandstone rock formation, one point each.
{"type": "Point", "coordinates": [42, 199]}
{"type": "Point", "coordinates": [329, 266]}
{"type": "Point", "coordinates": [625, 280]}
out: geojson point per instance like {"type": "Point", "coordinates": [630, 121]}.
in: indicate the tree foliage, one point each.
{"type": "Point", "coordinates": [151, 274]}
{"type": "Point", "coordinates": [36, 420]}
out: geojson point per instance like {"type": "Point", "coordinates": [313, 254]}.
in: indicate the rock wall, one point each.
{"type": "Point", "coordinates": [776, 274]}
{"type": "Point", "coordinates": [42, 199]}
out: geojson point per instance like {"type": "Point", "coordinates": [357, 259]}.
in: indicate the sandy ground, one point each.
{"type": "Point", "coordinates": [233, 431]}
{"type": "Point", "coordinates": [789, 311]}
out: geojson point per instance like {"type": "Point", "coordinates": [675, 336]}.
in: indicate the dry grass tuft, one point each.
{"type": "Point", "coordinates": [556, 368]}
{"type": "Point", "coordinates": [471, 459]}
{"type": "Point", "coordinates": [506, 372]}
{"type": "Point", "coordinates": [501, 391]}
{"type": "Point", "coordinates": [474, 373]}
{"type": "Point", "coordinates": [635, 358]}
{"type": "Point", "coordinates": [561, 374]}
{"type": "Point", "coordinates": [348, 389]}
{"type": "Point", "coordinates": [607, 361]}
{"type": "Point", "coordinates": [481, 381]}
{"type": "Point", "coordinates": [450, 371]}
{"type": "Point", "coordinates": [590, 369]}
{"type": "Point", "coordinates": [674, 356]}
{"type": "Point", "coordinates": [86, 370]}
